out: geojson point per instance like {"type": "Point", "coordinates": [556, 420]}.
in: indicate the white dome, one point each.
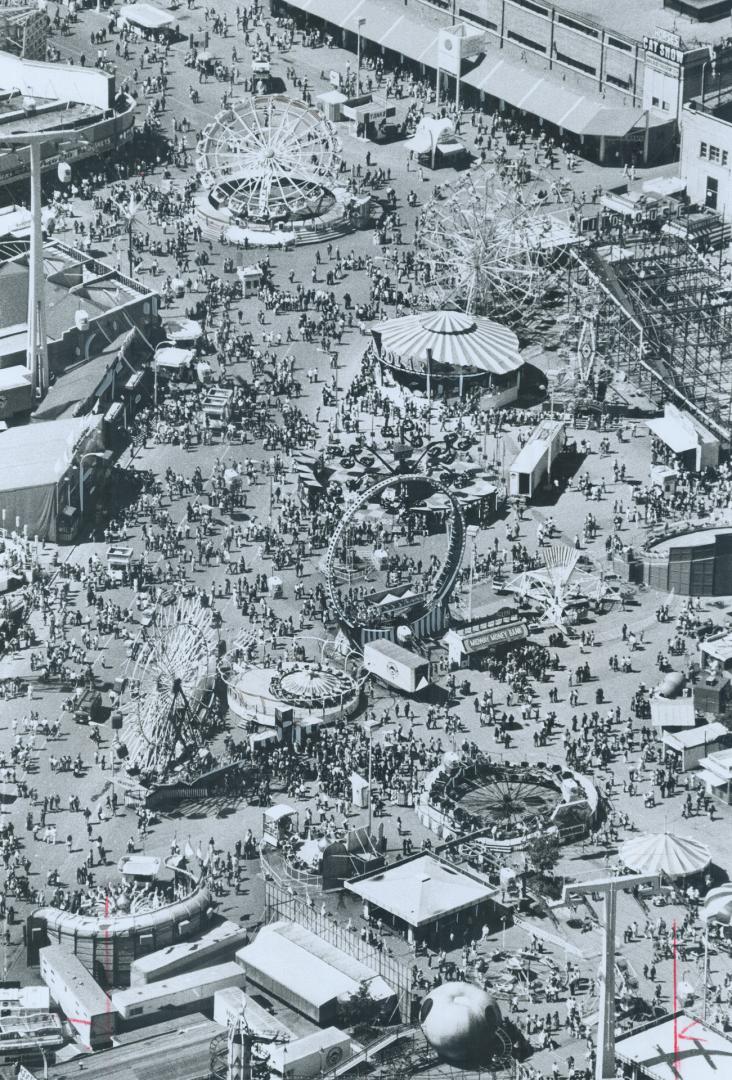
{"type": "Point", "coordinates": [459, 1022]}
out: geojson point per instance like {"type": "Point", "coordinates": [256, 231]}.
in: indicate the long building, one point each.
{"type": "Point", "coordinates": [611, 79]}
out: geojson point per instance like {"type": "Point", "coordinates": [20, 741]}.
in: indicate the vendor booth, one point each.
{"type": "Point", "coordinates": [397, 667]}
{"type": "Point", "coordinates": [436, 144]}
{"type": "Point", "coordinates": [689, 747]}
{"type": "Point", "coordinates": [370, 115]}
{"type": "Point", "coordinates": [279, 822]}
{"type": "Point", "coordinates": [119, 561]}
{"type": "Point", "coordinates": [148, 20]}
{"type": "Point", "coordinates": [251, 278]}
{"type": "Point", "coordinates": [467, 645]}
{"type": "Point", "coordinates": [171, 362]}
{"type": "Point", "coordinates": [681, 439]}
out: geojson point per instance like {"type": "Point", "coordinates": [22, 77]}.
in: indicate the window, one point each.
{"type": "Point", "coordinates": [472, 17]}
{"type": "Point", "coordinates": [579, 64]}
{"type": "Point", "coordinates": [703, 149]}
{"type": "Point", "coordinates": [724, 157]}
{"type": "Point", "coordinates": [664, 106]}
{"type": "Point", "coordinates": [714, 153]}
{"type": "Point", "coordinates": [527, 42]}
{"type": "Point", "coordinates": [531, 6]}
{"type": "Point", "coordinates": [618, 44]}
{"type": "Point", "coordinates": [655, 102]}
{"type": "Point", "coordinates": [624, 84]}
{"type": "Point", "coordinates": [573, 25]}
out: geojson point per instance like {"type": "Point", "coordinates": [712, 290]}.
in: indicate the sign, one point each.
{"type": "Point", "coordinates": [658, 48]}
{"type": "Point", "coordinates": [335, 79]}
{"type": "Point", "coordinates": [454, 44]}
{"type": "Point", "coordinates": [483, 639]}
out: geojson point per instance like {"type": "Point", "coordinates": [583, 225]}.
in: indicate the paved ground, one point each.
{"type": "Point", "coordinates": [229, 821]}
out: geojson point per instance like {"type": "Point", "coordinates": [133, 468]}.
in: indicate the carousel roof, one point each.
{"type": "Point", "coordinates": [717, 905]}
{"type": "Point", "coordinates": [662, 853]}
{"type": "Point", "coordinates": [309, 683]}
{"type": "Point", "coordinates": [453, 338]}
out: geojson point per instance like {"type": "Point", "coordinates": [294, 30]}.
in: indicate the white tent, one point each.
{"type": "Point", "coordinates": [662, 853]}
{"type": "Point", "coordinates": [146, 16]}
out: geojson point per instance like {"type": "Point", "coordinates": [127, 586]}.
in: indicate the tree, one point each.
{"type": "Point", "coordinates": [542, 853]}
{"type": "Point", "coordinates": [360, 1008]}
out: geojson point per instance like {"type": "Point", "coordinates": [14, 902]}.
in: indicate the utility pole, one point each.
{"type": "Point", "coordinates": [608, 887]}
{"type": "Point", "coordinates": [37, 347]}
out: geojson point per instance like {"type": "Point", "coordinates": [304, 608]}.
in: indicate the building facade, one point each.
{"type": "Point", "coordinates": [706, 152]}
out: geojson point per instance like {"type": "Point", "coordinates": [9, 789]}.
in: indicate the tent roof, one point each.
{"type": "Point", "coordinates": [147, 15]}
{"type": "Point", "coordinates": [422, 890]}
{"type": "Point", "coordinates": [453, 339]}
{"type": "Point", "coordinates": [281, 810]}
{"type": "Point", "coordinates": [697, 736]}
{"type": "Point", "coordinates": [37, 454]}
{"type": "Point", "coordinates": [678, 436]}
{"type": "Point", "coordinates": [664, 853]}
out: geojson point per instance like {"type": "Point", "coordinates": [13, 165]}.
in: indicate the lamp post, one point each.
{"type": "Point", "coordinates": [361, 22]}
{"type": "Point", "coordinates": [129, 213]}
{"type": "Point", "coordinates": [37, 347]}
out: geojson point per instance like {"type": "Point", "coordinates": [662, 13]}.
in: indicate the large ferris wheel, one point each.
{"type": "Point", "coordinates": [270, 159]}
{"type": "Point", "coordinates": [488, 245]}
{"type": "Point", "coordinates": [171, 681]}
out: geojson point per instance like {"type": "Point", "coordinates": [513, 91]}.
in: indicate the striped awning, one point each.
{"type": "Point", "coordinates": [450, 339]}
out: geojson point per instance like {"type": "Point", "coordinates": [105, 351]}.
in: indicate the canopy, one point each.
{"type": "Point", "coordinates": [182, 329]}
{"type": "Point", "coordinates": [717, 905]}
{"type": "Point", "coordinates": [428, 134]}
{"type": "Point", "coordinates": [279, 811]}
{"type": "Point", "coordinates": [664, 185]}
{"type": "Point", "coordinates": [662, 853]}
{"type": "Point", "coordinates": [422, 890]}
{"type": "Point", "coordinates": [147, 16]}
{"type": "Point", "coordinates": [452, 339]}
{"type": "Point", "coordinates": [678, 436]}
{"type": "Point", "coordinates": [173, 358]}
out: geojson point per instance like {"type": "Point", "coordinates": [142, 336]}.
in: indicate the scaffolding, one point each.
{"type": "Point", "coordinates": [664, 319]}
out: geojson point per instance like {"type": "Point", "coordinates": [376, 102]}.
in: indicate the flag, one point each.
{"type": "Point", "coordinates": [188, 850]}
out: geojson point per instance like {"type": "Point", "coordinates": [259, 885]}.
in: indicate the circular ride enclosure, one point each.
{"type": "Point", "coordinates": [693, 563]}
{"type": "Point", "coordinates": [270, 161]}
{"type": "Point", "coordinates": [513, 801]}
{"type": "Point", "coordinates": [395, 583]}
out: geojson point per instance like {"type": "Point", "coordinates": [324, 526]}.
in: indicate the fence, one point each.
{"type": "Point", "coordinates": [279, 903]}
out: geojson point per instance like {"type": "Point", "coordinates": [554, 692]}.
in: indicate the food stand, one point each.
{"type": "Point", "coordinates": [173, 363]}
{"type": "Point", "coordinates": [216, 405]}
{"type": "Point", "coordinates": [251, 279]}
{"type": "Point", "coordinates": [278, 823]}
{"type": "Point", "coordinates": [119, 561]}
{"type": "Point", "coordinates": [369, 115]}
{"type": "Point", "coordinates": [146, 20]}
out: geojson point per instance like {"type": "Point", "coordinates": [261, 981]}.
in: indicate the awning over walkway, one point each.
{"type": "Point", "coordinates": [518, 84]}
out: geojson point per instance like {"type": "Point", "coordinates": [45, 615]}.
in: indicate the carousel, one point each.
{"type": "Point", "coordinates": [450, 351]}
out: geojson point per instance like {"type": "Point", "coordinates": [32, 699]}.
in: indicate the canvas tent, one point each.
{"type": "Point", "coordinates": [33, 461]}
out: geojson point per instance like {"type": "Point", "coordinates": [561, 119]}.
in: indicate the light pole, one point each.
{"type": "Point", "coordinates": [361, 22]}
{"type": "Point", "coordinates": [37, 347]}
{"type": "Point", "coordinates": [130, 213]}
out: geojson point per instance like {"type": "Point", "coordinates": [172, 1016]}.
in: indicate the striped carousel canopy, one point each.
{"type": "Point", "coordinates": [453, 339]}
{"type": "Point", "coordinates": [663, 853]}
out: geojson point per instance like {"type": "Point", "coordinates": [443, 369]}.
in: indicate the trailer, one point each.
{"type": "Point", "coordinates": [532, 467]}
{"type": "Point", "coordinates": [396, 666]}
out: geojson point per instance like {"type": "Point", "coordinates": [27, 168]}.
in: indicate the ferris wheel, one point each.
{"type": "Point", "coordinates": [490, 246]}
{"type": "Point", "coordinates": [270, 158]}
{"type": "Point", "coordinates": [171, 681]}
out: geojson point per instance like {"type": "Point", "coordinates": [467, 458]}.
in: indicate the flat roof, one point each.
{"type": "Point", "coordinates": [76, 978]}
{"type": "Point", "coordinates": [703, 1054]}
{"type": "Point", "coordinates": [201, 980]}
{"type": "Point", "coordinates": [396, 652]}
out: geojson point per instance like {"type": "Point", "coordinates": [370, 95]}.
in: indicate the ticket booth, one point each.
{"type": "Point", "coordinates": [119, 562]}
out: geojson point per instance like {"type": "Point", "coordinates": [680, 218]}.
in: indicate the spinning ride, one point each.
{"type": "Point", "coordinates": [560, 591]}
{"type": "Point", "coordinates": [395, 587]}
{"type": "Point", "coordinates": [269, 160]}
{"type": "Point", "coordinates": [489, 247]}
{"type": "Point", "coordinates": [171, 685]}
{"type": "Point", "coordinates": [508, 801]}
